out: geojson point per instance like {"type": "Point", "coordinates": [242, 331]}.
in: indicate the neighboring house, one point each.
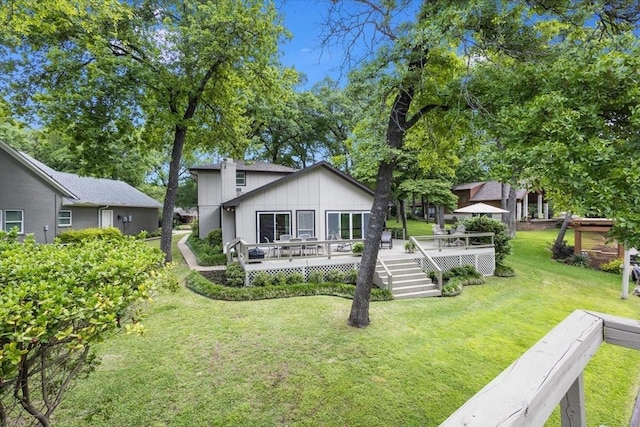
{"type": "Point", "coordinates": [259, 202]}
{"type": "Point", "coordinates": [490, 192]}
{"type": "Point", "coordinates": [184, 216]}
{"type": "Point", "coordinates": [45, 202]}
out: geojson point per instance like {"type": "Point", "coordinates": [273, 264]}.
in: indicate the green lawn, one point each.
{"type": "Point", "coordinates": [296, 362]}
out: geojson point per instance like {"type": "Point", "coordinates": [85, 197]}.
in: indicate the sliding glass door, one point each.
{"type": "Point", "coordinates": [347, 225]}
{"type": "Point", "coordinates": [271, 225]}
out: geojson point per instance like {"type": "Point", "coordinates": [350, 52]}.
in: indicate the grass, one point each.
{"type": "Point", "coordinates": [296, 362]}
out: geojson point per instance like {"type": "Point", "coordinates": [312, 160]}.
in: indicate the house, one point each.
{"type": "Point", "coordinates": [490, 192]}
{"type": "Point", "coordinates": [184, 216]}
{"type": "Point", "coordinates": [45, 202]}
{"type": "Point", "coordinates": [259, 202]}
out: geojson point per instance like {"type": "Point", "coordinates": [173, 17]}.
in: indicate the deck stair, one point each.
{"type": "Point", "coordinates": [409, 281]}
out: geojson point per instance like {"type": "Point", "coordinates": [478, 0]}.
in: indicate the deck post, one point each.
{"type": "Point", "coordinates": [572, 409]}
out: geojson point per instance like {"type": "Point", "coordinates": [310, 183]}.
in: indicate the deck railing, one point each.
{"type": "Point", "coordinates": [389, 275]}
{"type": "Point", "coordinates": [414, 242]}
{"type": "Point", "coordinates": [548, 374]}
{"type": "Point", "coordinates": [455, 240]}
{"type": "Point", "coordinates": [295, 250]}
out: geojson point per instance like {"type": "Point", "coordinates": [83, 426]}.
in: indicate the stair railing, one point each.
{"type": "Point", "coordinates": [389, 275]}
{"type": "Point", "coordinates": [429, 260]}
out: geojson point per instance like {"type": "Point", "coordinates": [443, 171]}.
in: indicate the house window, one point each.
{"type": "Point", "coordinates": [305, 223]}
{"type": "Point", "coordinates": [14, 219]}
{"type": "Point", "coordinates": [64, 219]}
{"type": "Point", "coordinates": [272, 225]}
{"type": "Point", "coordinates": [241, 179]}
{"type": "Point", "coordinates": [347, 225]}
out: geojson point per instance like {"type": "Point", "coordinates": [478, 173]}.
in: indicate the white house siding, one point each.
{"type": "Point", "coordinates": [210, 196]}
{"type": "Point", "coordinates": [320, 191]}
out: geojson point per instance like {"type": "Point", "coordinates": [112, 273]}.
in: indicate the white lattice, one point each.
{"type": "Point", "coordinates": [305, 271]}
{"type": "Point", "coordinates": [484, 263]}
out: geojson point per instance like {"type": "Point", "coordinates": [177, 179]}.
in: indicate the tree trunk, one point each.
{"type": "Point", "coordinates": [508, 202]}
{"type": "Point", "coordinates": [403, 215]}
{"type": "Point", "coordinates": [172, 189]}
{"type": "Point", "coordinates": [440, 216]}
{"type": "Point", "coordinates": [425, 213]}
{"type": "Point", "coordinates": [563, 228]}
{"type": "Point", "coordinates": [398, 213]}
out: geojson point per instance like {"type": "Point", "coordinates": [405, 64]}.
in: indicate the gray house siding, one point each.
{"type": "Point", "coordinates": [21, 189]}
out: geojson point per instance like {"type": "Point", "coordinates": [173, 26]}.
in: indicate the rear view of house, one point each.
{"type": "Point", "coordinates": [41, 201]}
{"type": "Point", "coordinates": [261, 202]}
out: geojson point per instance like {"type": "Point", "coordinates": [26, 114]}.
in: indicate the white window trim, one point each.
{"type": "Point", "coordinates": [21, 231]}
{"type": "Point", "coordinates": [312, 231]}
{"type": "Point", "coordinates": [70, 219]}
{"type": "Point", "coordinates": [243, 174]}
{"type": "Point", "coordinates": [350, 213]}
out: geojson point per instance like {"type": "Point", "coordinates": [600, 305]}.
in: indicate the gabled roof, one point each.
{"type": "Point", "coordinates": [241, 165]}
{"type": "Point", "coordinates": [490, 190]}
{"type": "Point", "coordinates": [238, 200]}
{"type": "Point", "coordinates": [84, 191]}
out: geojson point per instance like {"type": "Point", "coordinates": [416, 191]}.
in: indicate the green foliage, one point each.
{"type": "Point", "coordinates": [408, 246]}
{"type": "Point", "coordinates": [335, 276]}
{"type": "Point", "coordinates": [351, 277]}
{"type": "Point", "coordinates": [278, 279]}
{"type": "Point", "coordinates": [59, 300]}
{"type": "Point", "coordinates": [77, 236]}
{"type": "Point", "coordinates": [295, 279]}
{"type": "Point", "coordinates": [261, 278]}
{"type": "Point", "coordinates": [453, 288]}
{"type": "Point", "coordinates": [197, 283]}
{"type": "Point", "coordinates": [205, 253]}
{"type": "Point", "coordinates": [613, 266]}
{"type": "Point", "coordinates": [561, 251]}
{"type": "Point", "coordinates": [214, 237]}
{"type": "Point", "coordinates": [316, 276]}
{"type": "Point", "coordinates": [579, 260]}
{"type": "Point", "coordinates": [357, 248]}
{"type": "Point", "coordinates": [504, 271]}
{"type": "Point", "coordinates": [501, 240]}
{"type": "Point", "coordinates": [235, 275]}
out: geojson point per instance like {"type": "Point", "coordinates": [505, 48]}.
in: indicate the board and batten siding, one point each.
{"type": "Point", "coordinates": [319, 191]}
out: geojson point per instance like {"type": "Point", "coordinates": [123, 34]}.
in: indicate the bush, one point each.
{"type": "Point", "coordinates": [579, 260]}
{"type": "Point", "coordinates": [502, 238]}
{"type": "Point", "coordinates": [351, 277]}
{"type": "Point", "coordinates": [335, 276]}
{"type": "Point", "coordinates": [613, 266]}
{"type": "Point", "coordinates": [295, 279]}
{"type": "Point", "coordinates": [206, 254]}
{"type": "Point", "coordinates": [504, 271]}
{"type": "Point", "coordinates": [561, 250]}
{"type": "Point", "coordinates": [234, 275]}
{"type": "Point", "coordinates": [278, 279]}
{"type": "Point", "coordinates": [214, 237]}
{"type": "Point", "coordinates": [261, 278]}
{"type": "Point", "coordinates": [200, 285]}
{"type": "Point", "coordinates": [453, 288]}
{"type": "Point", "coordinates": [316, 277]}
{"type": "Point", "coordinates": [77, 236]}
{"type": "Point", "coordinates": [357, 248]}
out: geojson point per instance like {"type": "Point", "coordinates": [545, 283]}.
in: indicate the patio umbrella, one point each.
{"type": "Point", "coordinates": [480, 208]}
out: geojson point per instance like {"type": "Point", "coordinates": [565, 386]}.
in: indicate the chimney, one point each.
{"type": "Point", "coordinates": [228, 179]}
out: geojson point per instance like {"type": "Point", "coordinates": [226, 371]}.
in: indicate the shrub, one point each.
{"type": "Point", "coordinates": [295, 279]}
{"type": "Point", "coordinates": [76, 236]}
{"type": "Point", "coordinates": [278, 279]}
{"type": "Point", "coordinates": [579, 260]}
{"type": "Point", "coordinates": [316, 277]}
{"type": "Point", "coordinates": [351, 277]}
{"type": "Point", "coordinates": [504, 271]}
{"type": "Point", "coordinates": [561, 250]}
{"type": "Point", "coordinates": [261, 278]}
{"type": "Point", "coordinates": [357, 248]}
{"type": "Point", "coordinates": [335, 276]}
{"type": "Point", "coordinates": [206, 254]}
{"type": "Point", "coordinates": [200, 285]}
{"type": "Point", "coordinates": [408, 246]}
{"type": "Point", "coordinates": [613, 266]}
{"type": "Point", "coordinates": [235, 275]}
{"type": "Point", "coordinates": [502, 238]}
{"type": "Point", "coordinates": [214, 237]}
{"type": "Point", "coordinates": [453, 288]}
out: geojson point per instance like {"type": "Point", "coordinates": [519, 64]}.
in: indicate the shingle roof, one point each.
{"type": "Point", "coordinates": [88, 191]}
{"type": "Point", "coordinates": [258, 166]}
{"type": "Point", "coordinates": [490, 190]}
{"type": "Point", "coordinates": [236, 202]}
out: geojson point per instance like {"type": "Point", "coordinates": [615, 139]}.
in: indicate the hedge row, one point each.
{"type": "Point", "coordinates": [200, 285]}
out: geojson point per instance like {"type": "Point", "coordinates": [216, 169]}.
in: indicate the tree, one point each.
{"type": "Point", "coordinates": [180, 68]}
{"type": "Point", "coordinates": [92, 289]}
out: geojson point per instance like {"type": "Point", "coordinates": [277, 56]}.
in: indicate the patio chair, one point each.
{"type": "Point", "coordinates": [273, 250]}
{"type": "Point", "coordinates": [284, 238]}
{"type": "Point", "coordinates": [386, 239]}
{"type": "Point", "coordinates": [437, 231]}
{"type": "Point", "coordinates": [312, 247]}
{"type": "Point", "coordinates": [296, 245]}
{"type": "Point", "coordinates": [461, 229]}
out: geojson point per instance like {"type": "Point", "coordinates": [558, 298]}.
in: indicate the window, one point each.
{"type": "Point", "coordinates": [347, 225]}
{"type": "Point", "coordinates": [305, 223]}
{"type": "Point", "coordinates": [241, 179]}
{"type": "Point", "coordinates": [271, 225]}
{"type": "Point", "coordinates": [64, 219]}
{"type": "Point", "coordinates": [14, 219]}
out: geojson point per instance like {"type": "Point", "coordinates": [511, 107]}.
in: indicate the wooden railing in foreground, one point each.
{"type": "Point", "coordinates": [456, 240]}
{"type": "Point", "coordinates": [428, 259]}
{"type": "Point", "coordinates": [548, 374]}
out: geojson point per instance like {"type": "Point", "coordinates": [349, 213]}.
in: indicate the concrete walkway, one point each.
{"type": "Point", "coordinates": [190, 257]}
